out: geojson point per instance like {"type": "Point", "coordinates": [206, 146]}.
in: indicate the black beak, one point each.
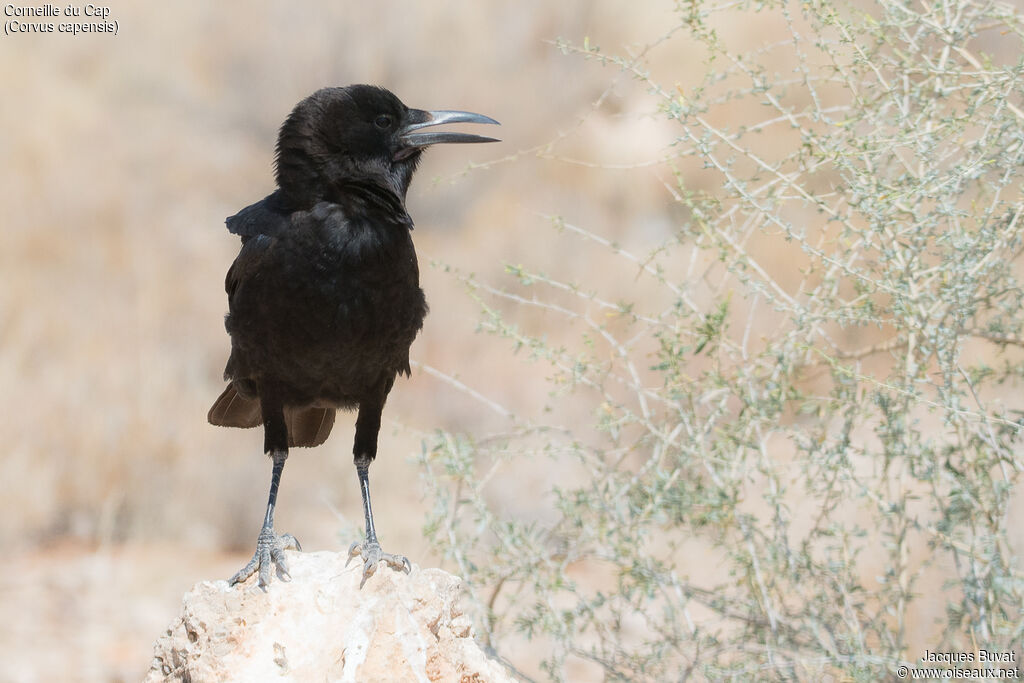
{"type": "Point", "coordinates": [412, 141]}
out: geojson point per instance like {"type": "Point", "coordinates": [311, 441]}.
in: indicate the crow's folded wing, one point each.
{"type": "Point", "coordinates": [270, 216]}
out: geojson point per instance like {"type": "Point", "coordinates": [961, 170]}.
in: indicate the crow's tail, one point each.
{"type": "Point", "coordinates": [307, 426]}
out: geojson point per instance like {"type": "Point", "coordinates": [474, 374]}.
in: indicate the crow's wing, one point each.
{"type": "Point", "coordinates": [270, 216]}
{"type": "Point", "coordinates": [247, 263]}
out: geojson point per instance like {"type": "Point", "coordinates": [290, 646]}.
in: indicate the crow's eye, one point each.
{"type": "Point", "coordinates": [383, 122]}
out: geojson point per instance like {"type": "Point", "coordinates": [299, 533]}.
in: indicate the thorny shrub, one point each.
{"type": "Point", "coordinates": [828, 434]}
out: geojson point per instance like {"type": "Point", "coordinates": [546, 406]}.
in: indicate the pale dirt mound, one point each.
{"type": "Point", "coordinates": [323, 626]}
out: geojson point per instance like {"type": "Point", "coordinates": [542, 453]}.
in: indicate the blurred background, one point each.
{"type": "Point", "coordinates": [121, 157]}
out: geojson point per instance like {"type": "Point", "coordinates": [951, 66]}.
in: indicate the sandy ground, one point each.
{"type": "Point", "coordinates": [78, 613]}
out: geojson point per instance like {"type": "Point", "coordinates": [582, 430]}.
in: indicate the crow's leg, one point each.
{"type": "Point", "coordinates": [269, 546]}
{"type": "Point", "coordinates": [369, 549]}
{"type": "Point", "coordinates": [365, 450]}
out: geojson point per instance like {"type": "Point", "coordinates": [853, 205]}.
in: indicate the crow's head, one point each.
{"type": "Point", "coordinates": [358, 133]}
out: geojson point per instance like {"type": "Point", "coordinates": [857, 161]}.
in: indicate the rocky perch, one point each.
{"type": "Point", "coordinates": [322, 626]}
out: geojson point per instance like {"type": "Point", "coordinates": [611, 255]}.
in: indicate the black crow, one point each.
{"type": "Point", "coordinates": [324, 297]}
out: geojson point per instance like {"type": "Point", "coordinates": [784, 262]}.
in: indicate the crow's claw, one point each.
{"type": "Point", "coordinates": [371, 554]}
{"type": "Point", "coordinates": [269, 552]}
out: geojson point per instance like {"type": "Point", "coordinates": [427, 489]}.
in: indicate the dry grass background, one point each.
{"type": "Point", "coordinates": [121, 156]}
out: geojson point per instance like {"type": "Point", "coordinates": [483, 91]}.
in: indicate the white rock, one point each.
{"type": "Point", "coordinates": [321, 626]}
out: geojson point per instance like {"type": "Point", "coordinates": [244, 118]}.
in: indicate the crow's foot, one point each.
{"type": "Point", "coordinates": [371, 554]}
{"type": "Point", "coordinates": [269, 552]}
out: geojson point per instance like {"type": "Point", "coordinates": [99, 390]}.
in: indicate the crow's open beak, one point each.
{"type": "Point", "coordinates": [412, 140]}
